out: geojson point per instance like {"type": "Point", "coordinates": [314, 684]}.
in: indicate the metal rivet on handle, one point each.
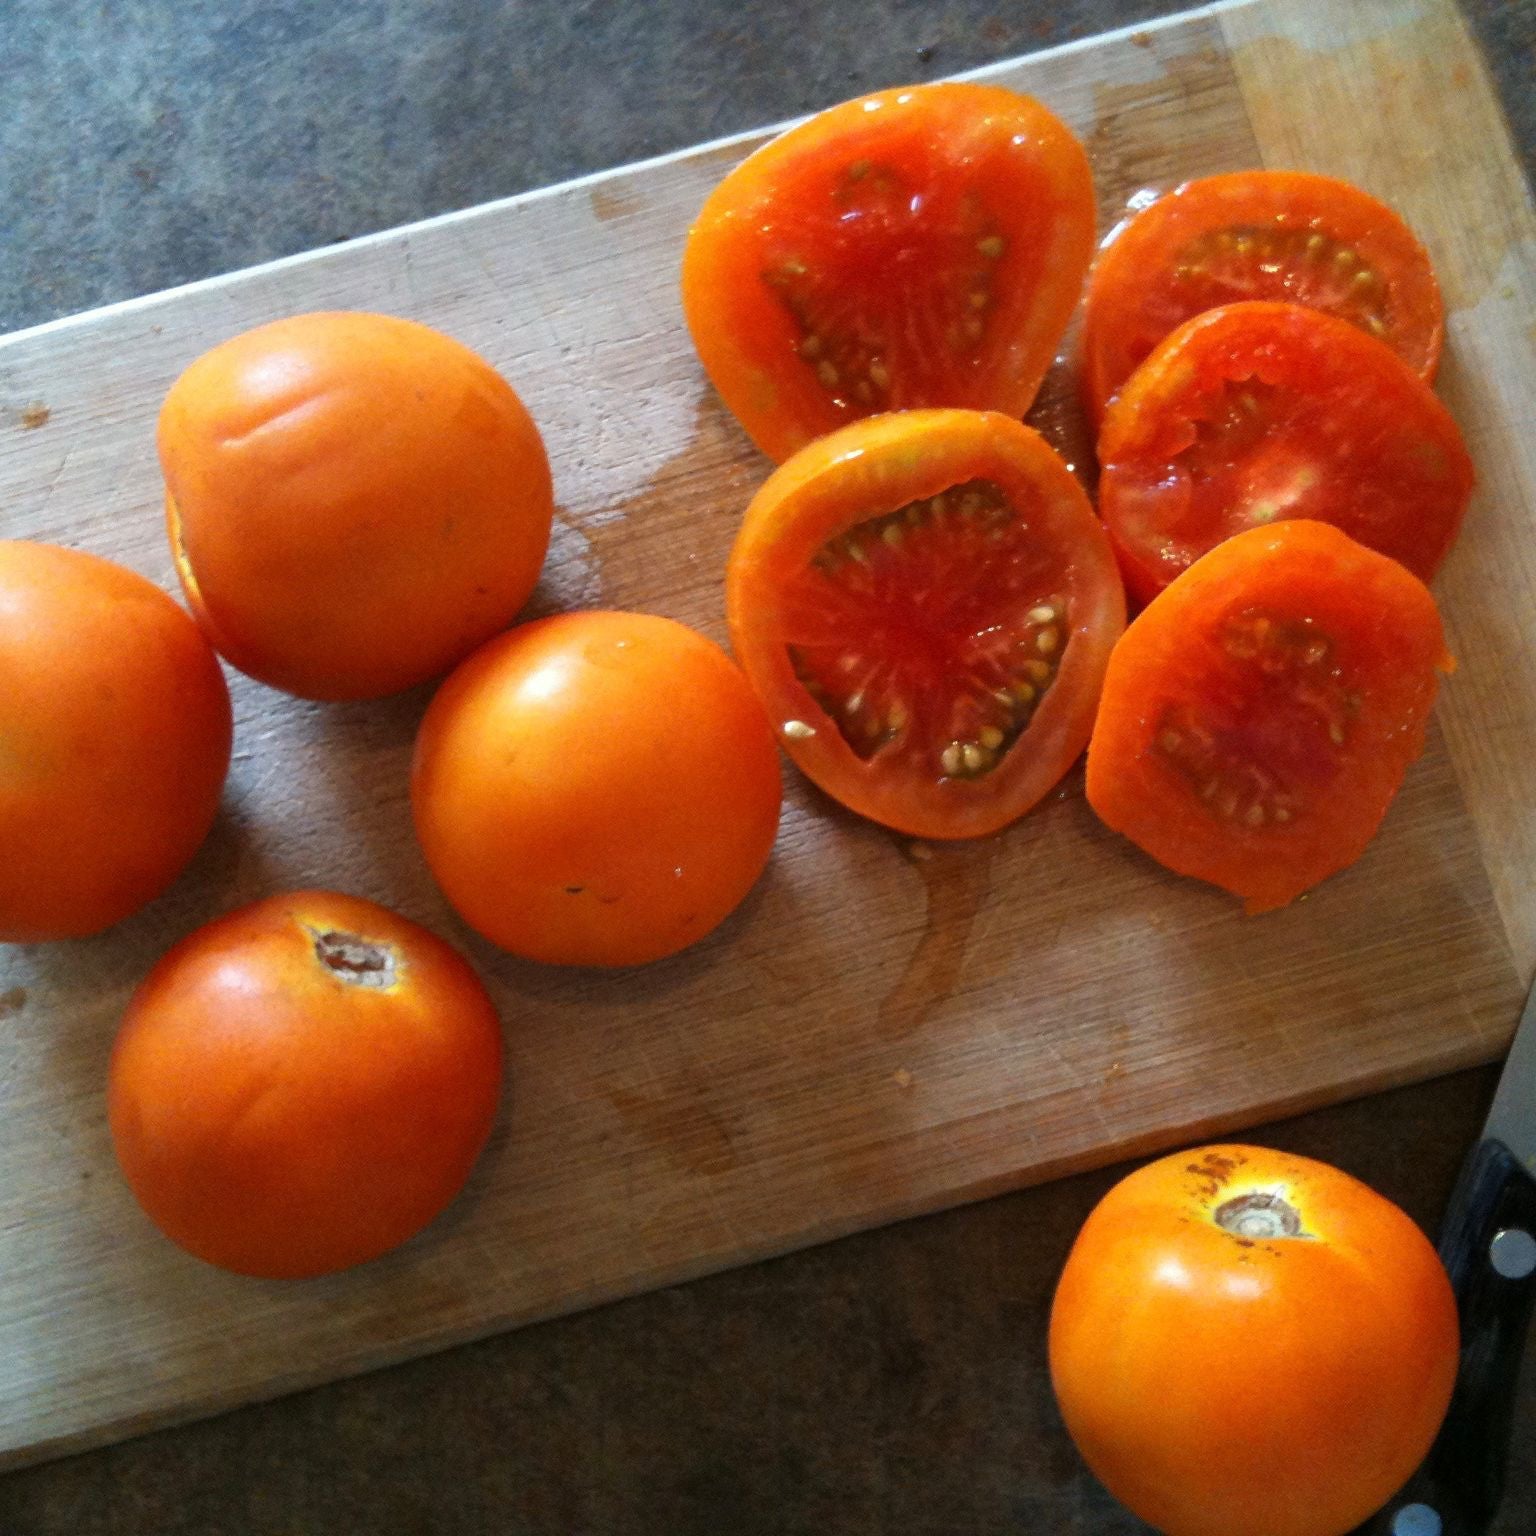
{"type": "Point", "coordinates": [1416, 1520]}
{"type": "Point", "coordinates": [1513, 1253]}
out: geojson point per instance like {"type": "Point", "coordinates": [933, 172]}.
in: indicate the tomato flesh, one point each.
{"type": "Point", "coordinates": [1259, 715]}
{"type": "Point", "coordinates": [1278, 236]}
{"type": "Point", "coordinates": [932, 631]}
{"type": "Point", "coordinates": [918, 247]}
{"type": "Point", "coordinates": [1253, 413]}
{"type": "Point", "coordinates": [926, 604]}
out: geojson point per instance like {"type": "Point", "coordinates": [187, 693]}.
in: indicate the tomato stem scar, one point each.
{"type": "Point", "coordinates": [1259, 1215]}
{"type": "Point", "coordinates": [354, 959]}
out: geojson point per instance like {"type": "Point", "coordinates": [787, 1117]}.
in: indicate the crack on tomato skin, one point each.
{"type": "Point", "coordinates": [353, 959]}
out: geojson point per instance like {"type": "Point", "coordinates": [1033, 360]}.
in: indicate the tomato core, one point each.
{"type": "Point", "coordinates": [930, 634]}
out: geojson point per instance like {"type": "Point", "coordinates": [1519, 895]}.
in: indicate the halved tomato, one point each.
{"type": "Point", "coordinates": [1256, 412]}
{"type": "Point", "coordinates": [918, 247]}
{"type": "Point", "coordinates": [1259, 715]}
{"type": "Point", "coordinates": [926, 604]}
{"type": "Point", "coordinates": [1285, 236]}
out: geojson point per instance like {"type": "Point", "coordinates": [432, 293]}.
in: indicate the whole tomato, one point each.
{"type": "Point", "coordinates": [302, 1084]}
{"type": "Point", "coordinates": [354, 501]}
{"type": "Point", "coordinates": [596, 788]}
{"type": "Point", "coordinates": [115, 733]}
{"type": "Point", "coordinates": [1249, 1343]}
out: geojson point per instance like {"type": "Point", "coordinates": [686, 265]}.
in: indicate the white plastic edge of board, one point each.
{"type": "Point", "coordinates": [590, 178]}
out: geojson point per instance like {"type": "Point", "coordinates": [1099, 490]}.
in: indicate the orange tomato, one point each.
{"type": "Point", "coordinates": [926, 604]}
{"type": "Point", "coordinates": [596, 788]}
{"type": "Point", "coordinates": [918, 247]}
{"type": "Point", "coordinates": [115, 734]}
{"type": "Point", "coordinates": [1250, 1343]}
{"type": "Point", "coordinates": [302, 1084]}
{"type": "Point", "coordinates": [1259, 715]}
{"type": "Point", "coordinates": [354, 501]}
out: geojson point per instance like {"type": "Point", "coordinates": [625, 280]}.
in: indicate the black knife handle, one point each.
{"type": "Point", "coordinates": [1462, 1479]}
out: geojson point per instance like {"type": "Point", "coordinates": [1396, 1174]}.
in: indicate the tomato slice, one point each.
{"type": "Point", "coordinates": [1259, 715]}
{"type": "Point", "coordinates": [918, 247]}
{"type": "Point", "coordinates": [1256, 412]}
{"type": "Point", "coordinates": [1284, 236]}
{"type": "Point", "coordinates": [926, 604]}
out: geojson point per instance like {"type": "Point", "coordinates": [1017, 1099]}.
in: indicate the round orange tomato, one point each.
{"type": "Point", "coordinates": [919, 247]}
{"type": "Point", "coordinates": [115, 734]}
{"type": "Point", "coordinates": [354, 501]}
{"type": "Point", "coordinates": [596, 788]}
{"type": "Point", "coordinates": [302, 1084]}
{"type": "Point", "coordinates": [926, 604]}
{"type": "Point", "coordinates": [1246, 1341]}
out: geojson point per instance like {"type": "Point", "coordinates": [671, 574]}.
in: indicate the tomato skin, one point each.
{"type": "Point", "coordinates": [1136, 294]}
{"type": "Point", "coordinates": [958, 148]}
{"type": "Point", "coordinates": [355, 501]}
{"type": "Point", "coordinates": [115, 733]}
{"type": "Point", "coordinates": [277, 1117]}
{"type": "Point", "coordinates": [596, 788]}
{"type": "Point", "coordinates": [1256, 411]}
{"type": "Point", "coordinates": [875, 466]}
{"type": "Point", "coordinates": [1281, 1386]}
{"type": "Point", "coordinates": [1363, 705]}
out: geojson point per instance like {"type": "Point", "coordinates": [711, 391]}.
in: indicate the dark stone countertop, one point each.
{"type": "Point", "coordinates": [150, 142]}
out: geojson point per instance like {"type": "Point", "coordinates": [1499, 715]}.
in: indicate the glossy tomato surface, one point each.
{"type": "Point", "coordinates": [1285, 236]}
{"type": "Point", "coordinates": [115, 733]}
{"type": "Point", "coordinates": [354, 501]}
{"type": "Point", "coordinates": [1257, 412]}
{"type": "Point", "coordinates": [1259, 715]}
{"type": "Point", "coordinates": [303, 1084]}
{"type": "Point", "coordinates": [926, 604]}
{"type": "Point", "coordinates": [917, 247]}
{"type": "Point", "coordinates": [596, 788]}
{"type": "Point", "coordinates": [1250, 1343]}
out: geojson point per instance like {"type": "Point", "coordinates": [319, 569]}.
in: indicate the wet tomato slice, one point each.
{"type": "Point", "coordinates": [1259, 715]}
{"type": "Point", "coordinates": [918, 247]}
{"type": "Point", "coordinates": [926, 604]}
{"type": "Point", "coordinates": [1257, 412]}
{"type": "Point", "coordinates": [1284, 236]}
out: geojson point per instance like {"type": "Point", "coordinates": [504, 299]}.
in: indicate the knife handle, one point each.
{"type": "Point", "coordinates": [1462, 1479]}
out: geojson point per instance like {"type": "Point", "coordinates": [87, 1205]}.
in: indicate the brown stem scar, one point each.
{"type": "Point", "coordinates": [1259, 1215]}
{"type": "Point", "coordinates": [353, 959]}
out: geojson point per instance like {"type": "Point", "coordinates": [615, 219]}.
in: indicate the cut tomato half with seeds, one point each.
{"type": "Point", "coordinates": [926, 604]}
{"type": "Point", "coordinates": [1282, 236]}
{"type": "Point", "coordinates": [919, 247]}
{"type": "Point", "coordinates": [1254, 413]}
{"type": "Point", "coordinates": [1259, 715]}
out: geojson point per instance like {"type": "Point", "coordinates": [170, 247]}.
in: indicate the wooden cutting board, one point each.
{"type": "Point", "coordinates": [884, 1028]}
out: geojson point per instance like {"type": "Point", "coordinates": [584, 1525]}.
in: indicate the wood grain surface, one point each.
{"type": "Point", "coordinates": [884, 1028]}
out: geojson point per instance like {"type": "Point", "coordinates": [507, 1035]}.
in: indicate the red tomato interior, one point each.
{"type": "Point", "coordinates": [930, 634]}
{"type": "Point", "coordinates": [1278, 236]}
{"type": "Point", "coordinates": [1259, 412]}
